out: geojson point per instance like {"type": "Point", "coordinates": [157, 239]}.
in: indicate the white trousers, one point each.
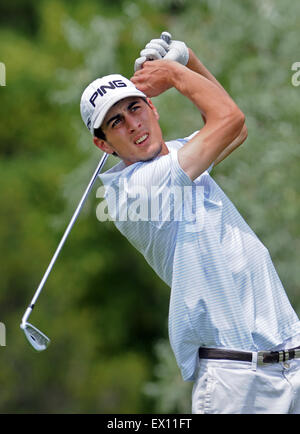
{"type": "Point", "coordinates": [230, 387]}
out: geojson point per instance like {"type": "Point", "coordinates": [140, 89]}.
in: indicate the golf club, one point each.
{"type": "Point", "coordinates": [167, 37]}
{"type": "Point", "coordinates": [37, 339]}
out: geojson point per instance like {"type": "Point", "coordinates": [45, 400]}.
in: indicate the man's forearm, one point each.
{"type": "Point", "coordinates": [233, 145]}
{"type": "Point", "coordinates": [224, 119]}
{"type": "Point", "coordinates": [197, 66]}
{"type": "Point", "coordinates": [215, 105]}
{"type": "Point", "coordinates": [202, 89]}
{"type": "Point", "coordinates": [159, 75]}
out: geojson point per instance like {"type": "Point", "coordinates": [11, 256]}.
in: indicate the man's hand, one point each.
{"type": "Point", "coordinates": [163, 48]}
{"type": "Point", "coordinates": [155, 77]}
{"type": "Point", "coordinates": [154, 50]}
{"type": "Point", "coordinates": [178, 52]}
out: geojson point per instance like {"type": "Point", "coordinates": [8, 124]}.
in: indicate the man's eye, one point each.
{"type": "Point", "coordinates": [135, 107]}
{"type": "Point", "coordinates": [115, 122]}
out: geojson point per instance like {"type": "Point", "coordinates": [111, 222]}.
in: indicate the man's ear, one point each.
{"type": "Point", "coordinates": [103, 145]}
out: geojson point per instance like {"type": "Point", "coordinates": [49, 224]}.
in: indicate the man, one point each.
{"type": "Point", "coordinates": [229, 316]}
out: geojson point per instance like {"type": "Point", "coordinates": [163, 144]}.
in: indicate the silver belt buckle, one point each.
{"type": "Point", "coordinates": [287, 355]}
{"type": "Point", "coordinates": [260, 358]}
{"type": "Point", "coordinates": [283, 356]}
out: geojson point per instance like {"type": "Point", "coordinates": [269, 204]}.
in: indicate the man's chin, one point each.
{"type": "Point", "coordinates": [148, 155]}
{"type": "Point", "coordinates": [153, 154]}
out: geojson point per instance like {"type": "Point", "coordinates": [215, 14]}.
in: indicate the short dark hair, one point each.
{"type": "Point", "coordinates": [98, 132]}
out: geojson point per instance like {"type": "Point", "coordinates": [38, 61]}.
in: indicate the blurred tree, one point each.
{"type": "Point", "coordinates": [103, 355]}
{"type": "Point", "coordinates": [167, 389]}
{"type": "Point", "coordinates": [103, 306]}
{"type": "Point", "coordinates": [21, 15]}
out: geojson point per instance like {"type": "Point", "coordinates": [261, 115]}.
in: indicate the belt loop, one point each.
{"type": "Point", "coordinates": [254, 361]}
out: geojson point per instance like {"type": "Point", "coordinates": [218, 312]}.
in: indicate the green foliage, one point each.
{"type": "Point", "coordinates": [170, 394]}
{"type": "Point", "coordinates": [102, 306]}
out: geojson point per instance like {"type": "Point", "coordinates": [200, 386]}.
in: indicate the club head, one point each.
{"type": "Point", "coordinates": [37, 339]}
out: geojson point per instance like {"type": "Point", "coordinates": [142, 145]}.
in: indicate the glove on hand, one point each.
{"type": "Point", "coordinates": [163, 48]}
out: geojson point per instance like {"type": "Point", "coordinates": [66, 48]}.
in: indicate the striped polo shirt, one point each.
{"type": "Point", "coordinates": [225, 291]}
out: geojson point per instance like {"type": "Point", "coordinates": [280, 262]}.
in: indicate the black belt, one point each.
{"type": "Point", "coordinates": [243, 356]}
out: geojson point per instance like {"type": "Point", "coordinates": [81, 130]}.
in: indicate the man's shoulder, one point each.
{"type": "Point", "coordinates": [179, 142]}
{"type": "Point", "coordinates": [146, 172]}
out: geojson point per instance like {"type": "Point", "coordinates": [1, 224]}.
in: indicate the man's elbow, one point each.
{"type": "Point", "coordinates": [234, 123]}
{"type": "Point", "coordinates": [237, 121]}
{"type": "Point", "coordinates": [244, 132]}
{"type": "Point", "coordinates": [241, 130]}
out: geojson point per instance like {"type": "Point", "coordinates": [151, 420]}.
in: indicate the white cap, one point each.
{"type": "Point", "coordinates": [100, 95]}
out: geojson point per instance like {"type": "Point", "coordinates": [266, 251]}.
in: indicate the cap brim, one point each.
{"type": "Point", "coordinates": [105, 108]}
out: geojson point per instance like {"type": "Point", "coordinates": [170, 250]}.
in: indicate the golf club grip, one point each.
{"type": "Point", "coordinates": [64, 237]}
{"type": "Point", "coordinates": [167, 37]}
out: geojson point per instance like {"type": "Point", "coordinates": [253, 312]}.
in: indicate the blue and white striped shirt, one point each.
{"type": "Point", "coordinates": [225, 292]}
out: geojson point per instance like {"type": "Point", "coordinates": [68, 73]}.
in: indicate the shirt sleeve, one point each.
{"type": "Point", "coordinates": [164, 171]}
{"type": "Point", "coordinates": [184, 141]}
{"type": "Point", "coordinates": [210, 167]}
{"type": "Point", "coordinates": [178, 174]}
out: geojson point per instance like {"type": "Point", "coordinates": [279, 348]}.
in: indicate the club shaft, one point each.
{"type": "Point", "coordinates": [64, 237]}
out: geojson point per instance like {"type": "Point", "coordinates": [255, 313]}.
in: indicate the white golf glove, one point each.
{"type": "Point", "coordinates": [163, 48]}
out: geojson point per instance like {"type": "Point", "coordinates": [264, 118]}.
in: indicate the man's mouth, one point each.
{"type": "Point", "coordinates": [141, 139]}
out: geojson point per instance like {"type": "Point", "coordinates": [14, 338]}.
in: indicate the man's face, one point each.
{"type": "Point", "coordinates": [132, 131]}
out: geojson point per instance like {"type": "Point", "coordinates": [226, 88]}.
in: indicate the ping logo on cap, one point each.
{"type": "Point", "coordinates": [102, 89]}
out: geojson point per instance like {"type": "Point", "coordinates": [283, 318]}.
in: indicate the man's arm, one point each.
{"type": "Point", "coordinates": [178, 51]}
{"type": "Point", "coordinates": [224, 120]}
{"type": "Point", "coordinates": [197, 66]}
{"type": "Point", "coordinates": [233, 145]}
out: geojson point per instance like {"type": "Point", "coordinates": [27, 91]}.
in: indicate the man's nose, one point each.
{"type": "Point", "coordinates": [132, 123]}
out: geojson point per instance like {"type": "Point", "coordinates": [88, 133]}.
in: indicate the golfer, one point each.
{"type": "Point", "coordinates": [231, 325]}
